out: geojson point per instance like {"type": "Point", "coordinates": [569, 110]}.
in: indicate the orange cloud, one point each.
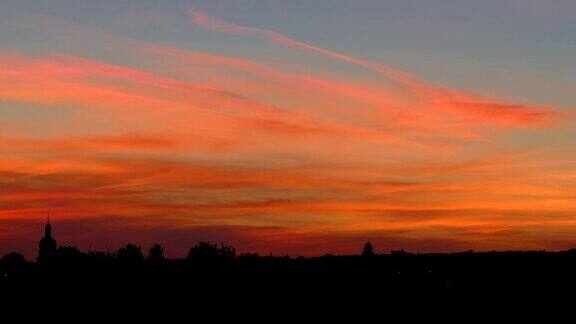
{"type": "Point", "coordinates": [179, 142]}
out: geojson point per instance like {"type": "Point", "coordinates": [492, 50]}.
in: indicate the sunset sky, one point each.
{"type": "Point", "coordinates": [297, 127]}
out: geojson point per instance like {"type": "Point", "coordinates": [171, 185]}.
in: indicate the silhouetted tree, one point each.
{"type": "Point", "coordinates": [368, 249]}
{"type": "Point", "coordinates": [156, 254]}
{"type": "Point", "coordinates": [68, 254]}
{"type": "Point", "coordinates": [399, 252]}
{"type": "Point", "coordinates": [226, 252]}
{"type": "Point", "coordinates": [208, 253]}
{"type": "Point", "coordinates": [249, 255]}
{"type": "Point", "coordinates": [12, 261]}
{"type": "Point", "coordinates": [130, 254]}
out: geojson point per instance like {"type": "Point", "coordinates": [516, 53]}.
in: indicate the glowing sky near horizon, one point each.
{"type": "Point", "coordinates": [292, 127]}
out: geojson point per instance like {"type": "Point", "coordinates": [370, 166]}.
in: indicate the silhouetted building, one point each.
{"type": "Point", "coordinates": [47, 245]}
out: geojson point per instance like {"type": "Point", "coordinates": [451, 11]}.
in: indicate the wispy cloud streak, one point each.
{"type": "Point", "coordinates": [441, 98]}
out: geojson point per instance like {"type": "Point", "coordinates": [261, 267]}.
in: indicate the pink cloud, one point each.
{"type": "Point", "coordinates": [489, 113]}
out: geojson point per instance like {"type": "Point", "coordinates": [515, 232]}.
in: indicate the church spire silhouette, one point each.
{"type": "Point", "coordinates": [47, 245]}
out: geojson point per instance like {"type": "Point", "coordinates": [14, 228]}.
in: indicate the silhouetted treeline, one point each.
{"type": "Point", "coordinates": [213, 277]}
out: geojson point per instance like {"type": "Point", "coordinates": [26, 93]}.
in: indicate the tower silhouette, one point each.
{"type": "Point", "coordinates": [47, 245]}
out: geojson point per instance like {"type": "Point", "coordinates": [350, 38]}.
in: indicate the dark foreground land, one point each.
{"type": "Point", "coordinates": [220, 284]}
